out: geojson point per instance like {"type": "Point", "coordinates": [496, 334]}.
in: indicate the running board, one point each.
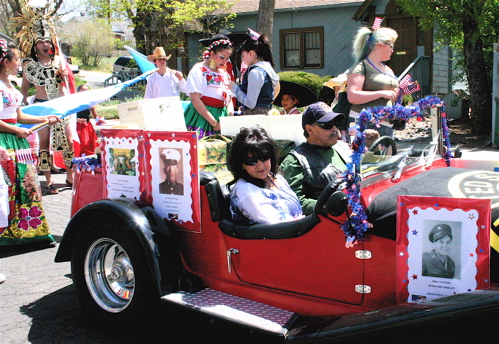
{"type": "Point", "coordinates": [235, 309]}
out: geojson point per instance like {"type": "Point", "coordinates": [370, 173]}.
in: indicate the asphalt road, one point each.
{"type": "Point", "coordinates": [94, 79]}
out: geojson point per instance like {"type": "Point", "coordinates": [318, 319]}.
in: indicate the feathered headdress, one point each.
{"type": "Point", "coordinates": [36, 24]}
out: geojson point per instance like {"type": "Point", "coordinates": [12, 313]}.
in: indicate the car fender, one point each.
{"type": "Point", "coordinates": [142, 222]}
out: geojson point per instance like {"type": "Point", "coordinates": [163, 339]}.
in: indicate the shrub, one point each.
{"type": "Point", "coordinates": [309, 80]}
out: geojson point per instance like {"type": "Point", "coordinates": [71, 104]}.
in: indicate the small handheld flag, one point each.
{"type": "Point", "coordinates": [377, 23]}
{"type": "Point", "coordinates": [253, 34]}
{"type": "Point", "coordinates": [407, 86]}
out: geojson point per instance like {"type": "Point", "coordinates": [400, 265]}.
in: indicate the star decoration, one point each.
{"type": "Point", "coordinates": [415, 211]}
{"type": "Point", "coordinates": [414, 277]}
{"type": "Point", "coordinates": [414, 232]}
{"type": "Point", "coordinates": [471, 216]}
{"type": "Point", "coordinates": [401, 254]}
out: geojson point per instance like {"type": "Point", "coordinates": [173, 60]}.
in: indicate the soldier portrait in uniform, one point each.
{"type": "Point", "coordinates": [171, 159]}
{"type": "Point", "coordinates": [438, 261]}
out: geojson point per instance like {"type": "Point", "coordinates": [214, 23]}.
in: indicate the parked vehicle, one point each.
{"type": "Point", "coordinates": [296, 279]}
{"type": "Point", "coordinates": [125, 64]}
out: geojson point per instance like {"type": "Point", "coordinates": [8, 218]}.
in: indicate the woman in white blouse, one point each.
{"type": "Point", "coordinates": [207, 86]}
{"type": "Point", "coordinates": [259, 194]}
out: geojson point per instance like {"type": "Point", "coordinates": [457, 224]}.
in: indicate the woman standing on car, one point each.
{"type": "Point", "coordinates": [207, 86]}
{"type": "Point", "coordinates": [371, 82]}
{"type": "Point", "coordinates": [260, 194]}
{"type": "Point", "coordinates": [19, 186]}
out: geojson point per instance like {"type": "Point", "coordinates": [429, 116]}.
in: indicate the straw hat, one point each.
{"type": "Point", "coordinates": [158, 54]}
{"type": "Point", "coordinates": [340, 80]}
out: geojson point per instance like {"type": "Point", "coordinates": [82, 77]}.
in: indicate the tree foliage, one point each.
{"type": "Point", "coordinates": [165, 22]}
{"type": "Point", "coordinates": [91, 40]}
{"type": "Point", "coordinates": [470, 28]}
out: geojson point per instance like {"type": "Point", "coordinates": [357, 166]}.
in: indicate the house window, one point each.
{"type": "Point", "coordinates": [302, 48]}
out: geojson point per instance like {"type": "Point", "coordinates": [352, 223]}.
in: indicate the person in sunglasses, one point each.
{"type": "Point", "coordinates": [259, 194]}
{"type": "Point", "coordinates": [312, 165]}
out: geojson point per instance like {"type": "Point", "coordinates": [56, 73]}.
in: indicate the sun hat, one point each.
{"type": "Point", "coordinates": [304, 95]}
{"type": "Point", "coordinates": [158, 54]}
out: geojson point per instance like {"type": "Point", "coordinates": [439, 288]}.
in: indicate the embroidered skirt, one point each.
{"type": "Point", "coordinates": [21, 190]}
{"type": "Point", "coordinates": [195, 122]}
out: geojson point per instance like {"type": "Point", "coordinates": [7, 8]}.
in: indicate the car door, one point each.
{"type": "Point", "coordinates": [316, 263]}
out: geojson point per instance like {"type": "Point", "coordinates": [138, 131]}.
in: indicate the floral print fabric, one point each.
{"type": "Point", "coordinates": [26, 219]}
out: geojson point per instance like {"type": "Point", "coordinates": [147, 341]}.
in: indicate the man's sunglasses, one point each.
{"type": "Point", "coordinates": [336, 122]}
{"type": "Point", "coordinates": [252, 161]}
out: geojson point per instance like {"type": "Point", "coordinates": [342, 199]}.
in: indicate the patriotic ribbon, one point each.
{"type": "Point", "coordinates": [357, 225]}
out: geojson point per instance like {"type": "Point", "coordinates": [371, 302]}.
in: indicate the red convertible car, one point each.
{"type": "Point", "coordinates": [299, 279]}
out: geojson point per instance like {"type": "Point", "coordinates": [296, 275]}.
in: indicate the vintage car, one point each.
{"type": "Point", "coordinates": [298, 280]}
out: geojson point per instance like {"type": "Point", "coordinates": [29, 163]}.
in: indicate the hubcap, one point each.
{"type": "Point", "coordinates": [109, 275]}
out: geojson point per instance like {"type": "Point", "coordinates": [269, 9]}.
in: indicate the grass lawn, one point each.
{"type": "Point", "coordinates": [105, 65]}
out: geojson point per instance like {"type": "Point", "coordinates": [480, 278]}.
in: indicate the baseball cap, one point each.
{"type": "Point", "coordinates": [319, 112]}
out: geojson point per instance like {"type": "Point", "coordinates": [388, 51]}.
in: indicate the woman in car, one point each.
{"type": "Point", "coordinates": [259, 194]}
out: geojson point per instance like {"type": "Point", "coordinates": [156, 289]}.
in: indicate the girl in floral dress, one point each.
{"type": "Point", "coordinates": [207, 86]}
{"type": "Point", "coordinates": [21, 190]}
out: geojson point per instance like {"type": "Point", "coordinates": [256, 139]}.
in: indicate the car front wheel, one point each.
{"type": "Point", "coordinates": [112, 276]}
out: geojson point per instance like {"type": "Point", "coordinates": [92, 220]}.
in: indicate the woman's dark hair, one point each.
{"type": "Point", "coordinates": [7, 54]}
{"type": "Point", "coordinates": [219, 47]}
{"type": "Point", "coordinates": [81, 86]}
{"type": "Point", "coordinates": [262, 48]}
{"type": "Point", "coordinates": [256, 141]}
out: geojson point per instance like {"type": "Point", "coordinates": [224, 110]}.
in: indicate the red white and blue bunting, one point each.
{"type": "Point", "coordinates": [356, 226]}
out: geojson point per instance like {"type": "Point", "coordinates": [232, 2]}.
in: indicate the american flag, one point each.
{"type": "Point", "coordinates": [377, 23]}
{"type": "Point", "coordinates": [408, 86]}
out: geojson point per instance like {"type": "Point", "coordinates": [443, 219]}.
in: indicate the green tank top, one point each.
{"type": "Point", "coordinates": [374, 81]}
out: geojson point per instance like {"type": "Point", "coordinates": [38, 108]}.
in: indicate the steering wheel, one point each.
{"type": "Point", "coordinates": [332, 200]}
{"type": "Point", "coordinates": [384, 146]}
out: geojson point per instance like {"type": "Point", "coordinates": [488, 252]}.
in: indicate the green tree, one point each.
{"type": "Point", "coordinates": [91, 40]}
{"type": "Point", "coordinates": [165, 22]}
{"type": "Point", "coordinates": [470, 28]}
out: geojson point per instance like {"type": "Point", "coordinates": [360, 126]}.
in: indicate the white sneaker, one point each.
{"type": "Point", "coordinates": [2, 278]}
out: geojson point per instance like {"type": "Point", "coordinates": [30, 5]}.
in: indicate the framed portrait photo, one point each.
{"type": "Point", "coordinates": [443, 246]}
{"type": "Point", "coordinates": [122, 152]}
{"type": "Point", "coordinates": [171, 167]}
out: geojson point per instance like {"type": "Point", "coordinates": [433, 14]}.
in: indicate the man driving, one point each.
{"type": "Point", "coordinates": [312, 165]}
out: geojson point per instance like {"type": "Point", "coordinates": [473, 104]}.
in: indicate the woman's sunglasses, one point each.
{"type": "Point", "coordinates": [252, 161]}
{"type": "Point", "coordinates": [336, 122]}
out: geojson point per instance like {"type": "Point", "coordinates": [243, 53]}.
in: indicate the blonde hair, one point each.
{"type": "Point", "coordinates": [365, 39]}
